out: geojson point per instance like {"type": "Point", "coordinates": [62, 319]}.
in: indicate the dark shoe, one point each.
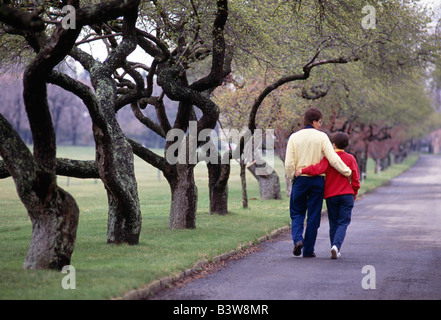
{"type": "Point", "coordinates": [311, 256]}
{"type": "Point", "coordinates": [298, 248]}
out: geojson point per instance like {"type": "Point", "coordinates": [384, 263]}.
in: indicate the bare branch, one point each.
{"type": "Point", "coordinates": [216, 75]}
{"type": "Point", "coordinates": [150, 157]}
{"type": "Point", "coordinates": [296, 77]}
{"type": "Point", "coordinates": [98, 38]}
{"type": "Point", "coordinates": [147, 121]}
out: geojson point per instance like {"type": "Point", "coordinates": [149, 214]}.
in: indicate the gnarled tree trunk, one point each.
{"type": "Point", "coordinates": [243, 180]}
{"type": "Point", "coordinates": [218, 188]}
{"type": "Point", "coordinates": [184, 198]}
{"type": "Point", "coordinates": [115, 163]}
{"type": "Point", "coordinates": [114, 155]}
{"type": "Point", "coordinates": [218, 175]}
{"type": "Point", "coordinates": [269, 183]}
{"type": "Point", "coordinates": [53, 212]}
{"type": "Point", "coordinates": [54, 227]}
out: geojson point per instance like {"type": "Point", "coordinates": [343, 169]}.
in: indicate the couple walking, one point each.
{"type": "Point", "coordinates": [334, 177]}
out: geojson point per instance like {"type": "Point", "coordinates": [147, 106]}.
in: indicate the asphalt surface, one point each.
{"type": "Point", "coordinates": [392, 250]}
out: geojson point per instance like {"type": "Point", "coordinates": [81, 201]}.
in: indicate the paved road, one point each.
{"type": "Point", "coordinates": [395, 230]}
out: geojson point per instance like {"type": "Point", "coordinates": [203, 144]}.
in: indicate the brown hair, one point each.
{"type": "Point", "coordinates": [311, 115]}
{"type": "Point", "coordinates": [341, 140]}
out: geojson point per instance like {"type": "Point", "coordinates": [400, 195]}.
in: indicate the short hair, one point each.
{"type": "Point", "coordinates": [341, 139]}
{"type": "Point", "coordinates": [311, 115]}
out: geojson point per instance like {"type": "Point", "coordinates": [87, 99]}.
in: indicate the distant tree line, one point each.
{"type": "Point", "coordinates": [71, 119]}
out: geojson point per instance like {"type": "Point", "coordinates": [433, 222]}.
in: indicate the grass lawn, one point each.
{"type": "Point", "coordinates": [104, 271]}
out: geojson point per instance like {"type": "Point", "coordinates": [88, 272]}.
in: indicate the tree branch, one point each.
{"type": "Point", "coordinates": [36, 104]}
{"type": "Point", "coordinates": [296, 77]}
{"type": "Point", "coordinates": [83, 169]}
{"type": "Point", "coordinates": [98, 38]}
{"type": "Point", "coordinates": [12, 148]}
{"type": "Point", "coordinates": [147, 121]}
{"type": "Point", "coordinates": [150, 157]}
{"type": "Point", "coordinates": [83, 92]}
{"type": "Point", "coordinates": [216, 74]}
{"type": "Point", "coordinates": [21, 20]}
{"type": "Point", "coordinates": [170, 80]}
{"type": "Point", "coordinates": [104, 11]}
{"type": "Point", "coordinates": [118, 55]}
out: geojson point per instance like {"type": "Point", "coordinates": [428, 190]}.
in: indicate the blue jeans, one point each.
{"type": "Point", "coordinates": [339, 214]}
{"type": "Point", "coordinates": [306, 195]}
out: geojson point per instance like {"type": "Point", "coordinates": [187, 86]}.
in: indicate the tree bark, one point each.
{"type": "Point", "coordinates": [218, 187]}
{"type": "Point", "coordinates": [54, 227]}
{"type": "Point", "coordinates": [243, 181]}
{"type": "Point", "coordinates": [184, 198]}
{"type": "Point", "coordinates": [183, 215]}
{"type": "Point", "coordinates": [114, 155]}
{"type": "Point", "coordinates": [53, 212]}
{"type": "Point", "coordinates": [114, 162]}
{"type": "Point", "coordinates": [269, 184]}
{"type": "Point", "coordinates": [218, 175]}
{"type": "Point", "coordinates": [83, 169]}
{"type": "Point", "coordinates": [54, 216]}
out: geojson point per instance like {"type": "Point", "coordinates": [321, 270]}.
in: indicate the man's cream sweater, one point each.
{"type": "Point", "coordinates": [307, 147]}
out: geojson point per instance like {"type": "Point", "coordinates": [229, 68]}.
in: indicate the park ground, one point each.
{"type": "Point", "coordinates": [109, 271]}
{"type": "Point", "coordinates": [392, 252]}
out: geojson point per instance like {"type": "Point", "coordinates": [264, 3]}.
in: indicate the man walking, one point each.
{"type": "Point", "coordinates": [307, 147]}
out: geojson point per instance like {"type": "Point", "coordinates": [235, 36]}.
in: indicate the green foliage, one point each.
{"type": "Point", "coordinates": [385, 87]}
{"type": "Point", "coordinates": [14, 53]}
{"type": "Point", "coordinates": [400, 102]}
{"type": "Point", "coordinates": [180, 24]}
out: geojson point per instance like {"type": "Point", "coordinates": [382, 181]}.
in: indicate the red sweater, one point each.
{"type": "Point", "coordinates": [335, 183]}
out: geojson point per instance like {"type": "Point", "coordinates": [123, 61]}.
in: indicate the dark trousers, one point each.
{"type": "Point", "coordinates": [306, 195]}
{"type": "Point", "coordinates": [339, 214]}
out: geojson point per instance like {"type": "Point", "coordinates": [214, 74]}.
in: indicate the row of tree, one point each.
{"type": "Point", "coordinates": [70, 118]}
{"type": "Point", "coordinates": [237, 63]}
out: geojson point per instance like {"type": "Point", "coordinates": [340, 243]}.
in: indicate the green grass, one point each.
{"type": "Point", "coordinates": [104, 271]}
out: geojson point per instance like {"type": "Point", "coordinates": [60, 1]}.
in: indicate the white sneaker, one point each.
{"type": "Point", "coordinates": [335, 254]}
